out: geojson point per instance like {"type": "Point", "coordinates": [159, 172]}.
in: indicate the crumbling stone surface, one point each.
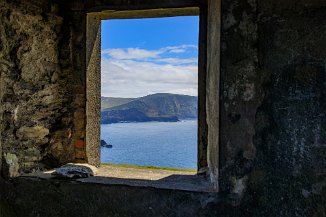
{"type": "Point", "coordinates": [290, 123]}
{"type": "Point", "coordinates": [11, 166]}
{"type": "Point", "coordinates": [37, 106]}
{"type": "Point", "coordinates": [37, 132]}
{"type": "Point", "coordinates": [273, 107]}
{"type": "Point", "coordinates": [241, 92]}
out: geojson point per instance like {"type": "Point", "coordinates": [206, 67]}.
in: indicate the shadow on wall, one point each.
{"type": "Point", "coordinates": [290, 134]}
{"type": "Point", "coordinates": [5, 209]}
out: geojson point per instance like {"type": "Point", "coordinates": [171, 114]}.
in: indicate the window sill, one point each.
{"type": "Point", "coordinates": [139, 177]}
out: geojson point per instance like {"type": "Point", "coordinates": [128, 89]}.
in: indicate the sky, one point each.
{"type": "Point", "coordinates": [147, 56]}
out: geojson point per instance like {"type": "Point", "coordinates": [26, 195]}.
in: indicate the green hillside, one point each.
{"type": "Point", "coordinates": [109, 102]}
{"type": "Point", "coordinates": [156, 107]}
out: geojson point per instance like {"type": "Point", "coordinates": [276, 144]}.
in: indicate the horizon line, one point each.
{"type": "Point", "coordinates": [149, 95]}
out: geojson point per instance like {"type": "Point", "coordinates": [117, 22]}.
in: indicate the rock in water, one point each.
{"type": "Point", "coordinates": [103, 143]}
{"type": "Point", "coordinates": [75, 171]}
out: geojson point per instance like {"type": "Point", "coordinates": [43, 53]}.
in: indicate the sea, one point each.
{"type": "Point", "coordinates": [160, 144]}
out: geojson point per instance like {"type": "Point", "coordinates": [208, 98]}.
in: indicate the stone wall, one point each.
{"type": "Point", "coordinates": [56, 198]}
{"type": "Point", "coordinates": [93, 86]}
{"type": "Point", "coordinates": [241, 94]}
{"type": "Point", "coordinates": [272, 135]}
{"type": "Point", "coordinates": [42, 98]}
{"type": "Point", "coordinates": [290, 129]}
{"type": "Point", "coordinates": [213, 88]}
{"type": "Point", "coordinates": [273, 82]}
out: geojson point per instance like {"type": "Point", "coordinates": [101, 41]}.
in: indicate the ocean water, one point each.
{"type": "Point", "coordinates": [162, 144]}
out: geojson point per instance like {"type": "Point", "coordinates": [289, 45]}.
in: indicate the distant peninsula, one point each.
{"type": "Point", "coordinates": [162, 107]}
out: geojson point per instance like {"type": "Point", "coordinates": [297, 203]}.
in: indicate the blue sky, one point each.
{"type": "Point", "coordinates": [146, 56]}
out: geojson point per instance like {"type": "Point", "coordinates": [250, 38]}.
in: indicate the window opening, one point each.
{"type": "Point", "coordinates": [149, 88]}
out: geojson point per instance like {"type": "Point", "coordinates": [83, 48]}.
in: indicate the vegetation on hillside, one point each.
{"type": "Point", "coordinates": [109, 102]}
{"type": "Point", "coordinates": [156, 107]}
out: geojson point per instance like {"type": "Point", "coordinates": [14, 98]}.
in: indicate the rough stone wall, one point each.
{"type": "Point", "coordinates": [272, 150]}
{"type": "Point", "coordinates": [272, 116]}
{"type": "Point", "coordinates": [213, 88]}
{"type": "Point", "coordinates": [56, 198]}
{"type": "Point", "coordinates": [240, 94]}
{"type": "Point", "coordinates": [73, 59]}
{"type": "Point", "coordinates": [93, 86]}
{"type": "Point", "coordinates": [39, 107]}
{"type": "Point", "coordinates": [290, 129]}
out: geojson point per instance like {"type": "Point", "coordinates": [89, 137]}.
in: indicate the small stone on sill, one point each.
{"type": "Point", "coordinates": [75, 171]}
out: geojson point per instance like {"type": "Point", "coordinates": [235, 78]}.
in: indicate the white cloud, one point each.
{"type": "Point", "coordinates": [137, 53]}
{"type": "Point", "coordinates": [135, 72]}
{"type": "Point", "coordinates": [177, 60]}
{"type": "Point", "coordinates": [184, 46]}
{"type": "Point", "coordinates": [177, 50]}
{"type": "Point", "coordinates": [131, 53]}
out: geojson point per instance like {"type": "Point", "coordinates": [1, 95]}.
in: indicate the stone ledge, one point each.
{"type": "Point", "coordinates": [35, 196]}
{"type": "Point", "coordinates": [138, 177]}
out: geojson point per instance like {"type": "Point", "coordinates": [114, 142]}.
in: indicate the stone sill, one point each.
{"type": "Point", "coordinates": [138, 177]}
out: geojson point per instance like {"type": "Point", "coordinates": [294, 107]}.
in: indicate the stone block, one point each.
{"type": "Point", "coordinates": [80, 144]}
{"type": "Point", "coordinates": [37, 132]}
{"type": "Point", "coordinates": [80, 154]}
{"type": "Point", "coordinates": [11, 165]}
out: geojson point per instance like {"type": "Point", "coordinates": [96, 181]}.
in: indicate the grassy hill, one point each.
{"type": "Point", "coordinates": [109, 102]}
{"type": "Point", "coordinates": [155, 107]}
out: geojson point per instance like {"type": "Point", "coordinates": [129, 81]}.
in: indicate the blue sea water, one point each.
{"type": "Point", "coordinates": [162, 144]}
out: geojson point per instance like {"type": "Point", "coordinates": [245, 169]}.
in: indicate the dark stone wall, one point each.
{"type": "Point", "coordinates": [290, 129]}
{"type": "Point", "coordinates": [73, 58]}
{"type": "Point", "coordinates": [240, 94]}
{"type": "Point", "coordinates": [42, 86]}
{"type": "Point", "coordinates": [56, 198]}
{"type": "Point", "coordinates": [272, 149]}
